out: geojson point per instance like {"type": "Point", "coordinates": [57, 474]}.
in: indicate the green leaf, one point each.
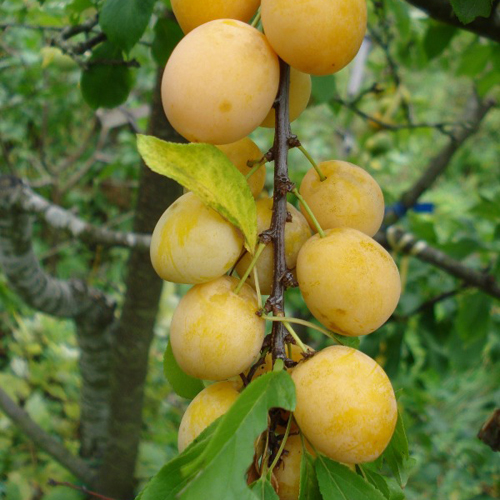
{"type": "Point", "coordinates": [397, 455]}
{"type": "Point", "coordinates": [124, 21]}
{"type": "Point", "coordinates": [167, 35]}
{"type": "Point", "coordinates": [468, 10]}
{"type": "Point", "coordinates": [263, 489]}
{"type": "Point", "coordinates": [377, 480]}
{"type": "Point", "coordinates": [184, 385]}
{"type": "Point", "coordinates": [338, 482]}
{"type": "Point", "coordinates": [323, 88]}
{"type": "Point", "coordinates": [473, 319]}
{"type": "Point", "coordinates": [105, 85]}
{"type": "Point", "coordinates": [348, 341]}
{"type": "Point", "coordinates": [437, 37]}
{"type": "Point", "coordinates": [474, 60]}
{"type": "Point", "coordinates": [206, 171]}
{"type": "Point", "coordinates": [309, 488]}
{"type": "Point", "coordinates": [223, 463]}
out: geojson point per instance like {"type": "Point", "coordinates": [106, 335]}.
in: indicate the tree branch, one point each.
{"type": "Point", "coordinates": [43, 440]}
{"type": "Point", "coordinates": [402, 241]}
{"type": "Point", "coordinates": [276, 233]}
{"type": "Point", "coordinates": [92, 311]}
{"type": "Point", "coordinates": [24, 200]}
{"type": "Point", "coordinates": [441, 10]}
{"type": "Point", "coordinates": [437, 165]}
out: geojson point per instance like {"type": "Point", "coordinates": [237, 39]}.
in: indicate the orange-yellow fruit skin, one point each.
{"type": "Point", "coordinates": [297, 233]}
{"type": "Point", "coordinates": [220, 82]}
{"type": "Point", "coordinates": [192, 13]}
{"type": "Point", "coordinates": [242, 151]}
{"type": "Point", "coordinates": [348, 281]}
{"type": "Point", "coordinates": [348, 197]}
{"type": "Point", "coordinates": [319, 37]}
{"type": "Point", "coordinates": [300, 92]}
{"type": "Point", "coordinates": [346, 405]}
{"type": "Point", "coordinates": [215, 333]}
{"type": "Point", "coordinates": [211, 403]}
{"type": "Point", "coordinates": [192, 243]}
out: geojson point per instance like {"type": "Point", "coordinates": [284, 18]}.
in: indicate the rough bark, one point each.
{"type": "Point", "coordinates": [402, 241]}
{"type": "Point", "coordinates": [441, 10]}
{"type": "Point", "coordinates": [134, 332]}
{"type": "Point", "coordinates": [27, 201]}
{"type": "Point", "coordinates": [91, 310]}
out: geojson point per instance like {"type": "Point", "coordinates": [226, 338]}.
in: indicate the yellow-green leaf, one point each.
{"type": "Point", "coordinates": [206, 171]}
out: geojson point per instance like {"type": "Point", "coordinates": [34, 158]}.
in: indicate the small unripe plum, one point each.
{"type": "Point", "coordinates": [348, 197]}
{"type": "Point", "coordinates": [215, 333]}
{"type": "Point", "coordinates": [242, 151]}
{"type": "Point", "coordinates": [300, 92]}
{"type": "Point", "coordinates": [348, 281]}
{"type": "Point", "coordinates": [220, 82]}
{"type": "Point", "coordinates": [193, 13]}
{"type": "Point", "coordinates": [287, 473]}
{"type": "Point", "coordinates": [211, 403]}
{"type": "Point", "coordinates": [267, 366]}
{"type": "Point", "coordinates": [297, 232]}
{"type": "Point", "coordinates": [346, 405]}
{"type": "Point", "coordinates": [318, 37]}
{"type": "Point", "coordinates": [192, 243]}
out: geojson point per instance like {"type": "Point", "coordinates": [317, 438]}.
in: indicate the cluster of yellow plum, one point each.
{"type": "Point", "coordinates": [218, 86]}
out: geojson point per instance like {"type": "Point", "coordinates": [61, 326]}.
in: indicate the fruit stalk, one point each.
{"type": "Point", "coordinates": [276, 233]}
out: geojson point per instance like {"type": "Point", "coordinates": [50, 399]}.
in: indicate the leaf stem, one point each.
{"type": "Point", "coordinates": [293, 333]}
{"type": "Point", "coordinates": [303, 322]}
{"type": "Point", "coordinates": [256, 19]}
{"type": "Point", "coordinates": [259, 250]}
{"type": "Point", "coordinates": [307, 208]}
{"type": "Point", "coordinates": [282, 445]}
{"type": "Point", "coordinates": [304, 151]}
{"type": "Point", "coordinates": [256, 167]}
{"type": "Point", "coordinates": [257, 286]}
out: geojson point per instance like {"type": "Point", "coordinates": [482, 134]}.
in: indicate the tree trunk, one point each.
{"type": "Point", "coordinates": [134, 331]}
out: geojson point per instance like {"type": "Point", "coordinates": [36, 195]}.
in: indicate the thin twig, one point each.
{"type": "Point", "coordinates": [53, 482]}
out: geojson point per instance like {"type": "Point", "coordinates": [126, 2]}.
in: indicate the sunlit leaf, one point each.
{"type": "Point", "coordinates": [206, 171]}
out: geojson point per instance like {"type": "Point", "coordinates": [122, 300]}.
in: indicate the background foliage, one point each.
{"type": "Point", "coordinates": [443, 361]}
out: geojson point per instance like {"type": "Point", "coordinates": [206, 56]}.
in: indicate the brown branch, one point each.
{"type": "Point", "coordinates": [430, 303]}
{"type": "Point", "coordinates": [24, 200]}
{"type": "Point", "coordinates": [443, 127]}
{"type": "Point", "coordinates": [82, 489]}
{"type": "Point", "coordinates": [276, 233]}
{"type": "Point", "coordinates": [442, 10]}
{"type": "Point", "coordinates": [43, 440]}
{"type": "Point", "coordinates": [490, 431]}
{"type": "Point", "coordinates": [438, 164]}
{"type": "Point", "coordinates": [402, 241]}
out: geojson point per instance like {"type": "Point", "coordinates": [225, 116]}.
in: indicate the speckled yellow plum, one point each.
{"type": "Point", "coordinates": [192, 243]}
{"type": "Point", "coordinates": [193, 13]}
{"type": "Point", "coordinates": [297, 232]}
{"type": "Point", "coordinates": [210, 404]}
{"type": "Point", "coordinates": [346, 405]}
{"type": "Point", "coordinates": [348, 197]}
{"type": "Point", "coordinates": [348, 281]}
{"type": "Point", "coordinates": [215, 333]}
{"type": "Point", "coordinates": [242, 151]}
{"type": "Point", "coordinates": [300, 93]}
{"type": "Point", "coordinates": [220, 82]}
{"type": "Point", "coordinates": [319, 37]}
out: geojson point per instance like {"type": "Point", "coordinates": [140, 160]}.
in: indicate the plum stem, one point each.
{"type": "Point", "coordinates": [259, 250]}
{"type": "Point", "coordinates": [304, 151]}
{"type": "Point", "coordinates": [307, 208]}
